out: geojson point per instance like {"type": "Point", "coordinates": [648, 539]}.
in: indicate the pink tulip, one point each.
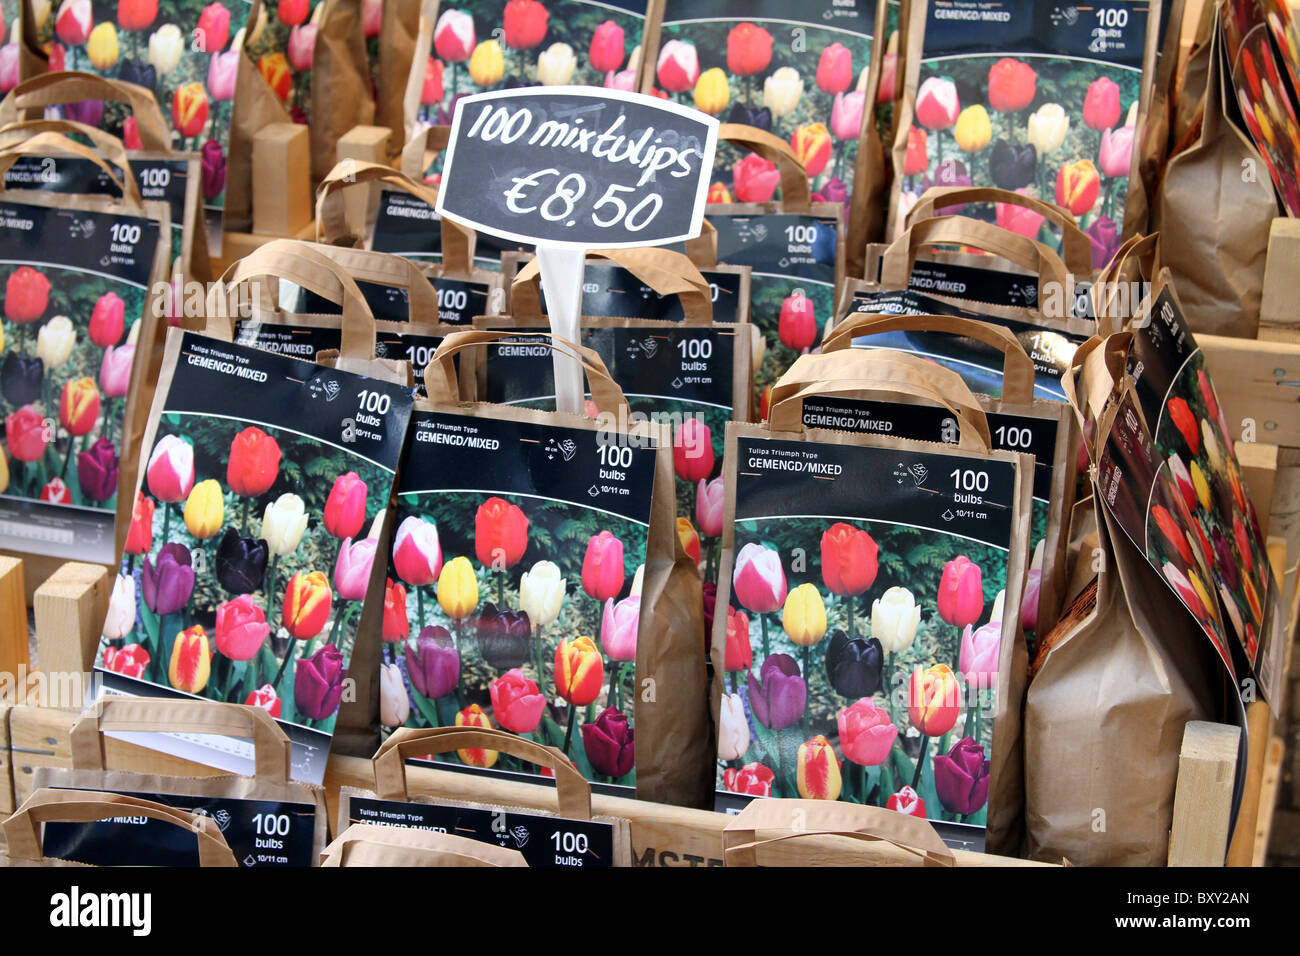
{"type": "Point", "coordinates": [961, 592]}
{"type": "Point", "coordinates": [846, 115]}
{"type": "Point", "coordinates": [678, 67]}
{"type": "Point", "coordinates": [937, 104]}
{"type": "Point", "coordinates": [1101, 108]}
{"type": "Point", "coordinates": [622, 80]}
{"type": "Point", "coordinates": [352, 570]}
{"type": "Point", "coordinates": [888, 79]}
{"type": "Point", "coordinates": [170, 474]}
{"type": "Point", "coordinates": [978, 659]}
{"type": "Point", "coordinates": [866, 733]}
{"type": "Point", "coordinates": [221, 75]}
{"type": "Point", "coordinates": [417, 553]}
{"type": "Point", "coordinates": [1116, 151]}
{"type": "Point", "coordinates": [618, 628]}
{"type": "Point", "coordinates": [710, 499]}
{"type": "Point", "coordinates": [372, 17]}
{"type": "Point", "coordinates": [755, 179]}
{"type": "Point", "coordinates": [607, 44]}
{"type": "Point", "coordinates": [115, 371]}
{"type": "Point", "coordinates": [454, 37]}
{"type": "Point", "coordinates": [759, 579]}
{"type": "Point", "coordinates": [9, 71]}
{"type": "Point", "coordinates": [74, 22]}
{"type": "Point", "coordinates": [302, 46]}
{"type": "Point", "coordinates": [1029, 603]}
{"type": "Point", "coordinates": [602, 566]}
{"type": "Point", "coordinates": [1018, 219]}
{"type": "Point", "coordinates": [693, 451]}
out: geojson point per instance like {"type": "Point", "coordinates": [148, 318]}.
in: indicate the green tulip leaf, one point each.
{"type": "Point", "coordinates": [428, 708]}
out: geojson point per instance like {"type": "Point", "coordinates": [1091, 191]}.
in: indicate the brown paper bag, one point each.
{"type": "Point", "coordinates": [865, 219]}
{"type": "Point", "coordinates": [90, 770]}
{"type": "Point", "coordinates": [255, 106]}
{"type": "Point", "coordinates": [366, 844]}
{"type": "Point", "coordinates": [22, 831]}
{"type": "Point", "coordinates": [572, 792]}
{"type": "Point", "coordinates": [397, 38]}
{"type": "Point", "coordinates": [341, 95]}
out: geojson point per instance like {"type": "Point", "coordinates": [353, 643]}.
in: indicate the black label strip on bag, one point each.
{"type": "Point", "coordinates": [609, 290]}
{"type": "Point", "coordinates": [542, 840]}
{"type": "Point", "coordinates": [408, 226]}
{"type": "Point", "coordinates": [260, 833]}
{"type": "Point", "coordinates": [459, 301]}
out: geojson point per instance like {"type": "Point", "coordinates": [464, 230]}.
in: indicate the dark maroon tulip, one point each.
{"type": "Point", "coordinates": [503, 637]}
{"type": "Point", "coordinates": [168, 582]}
{"type": "Point", "coordinates": [710, 602]}
{"type": "Point", "coordinates": [853, 667]}
{"type": "Point", "coordinates": [1012, 165]}
{"type": "Point", "coordinates": [97, 470]}
{"type": "Point", "coordinates": [961, 777]}
{"type": "Point", "coordinates": [214, 169]}
{"type": "Point", "coordinates": [1105, 240]}
{"type": "Point", "coordinates": [834, 190]}
{"type": "Point", "coordinates": [241, 562]}
{"type": "Point", "coordinates": [608, 743]}
{"type": "Point", "coordinates": [779, 697]}
{"type": "Point", "coordinates": [318, 683]}
{"type": "Point", "coordinates": [21, 377]}
{"type": "Point", "coordinates": [139, 73]}
{"type": "Point", "coordinates": [90, 112]}
{"type": "Point", "coordinates": [433, 663]}
{"type": "Point", "coordinates": [748, 116]}
{"type": "Point", "coordinates": [1225, 559]}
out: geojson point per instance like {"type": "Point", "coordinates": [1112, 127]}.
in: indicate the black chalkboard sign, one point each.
{"type": "Point", "coordinates": [578, 167]}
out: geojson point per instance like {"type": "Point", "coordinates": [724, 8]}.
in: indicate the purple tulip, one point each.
{"type": "Point", "coordinates": [1225, 559]}
{"type": "Point", "coordinates": [1029, 603]}
{"type": "Point", "coordinates": [951, 172]}
{"type": "Point", "coordinates": [168, 583]}
{"type": "Point", "coordinates": [318, 683]}
{"type": "Point", "coordinates": [433, 663]}
{"type": "Point", "coordinates": [213, 159]}
{"type": "Point", "coordinates": [503, 637]}
{"type": "Point", "coordinates": [90, 112]}
{"type": "Point", "coordinates": [779, 697]}
{"type": "Point", "coordinates": [608, 743]}
{"type": "Point", "coordinates": [97, 470]}
{"type": "Point", "coordinates": [445, 113]}
{"type": "Point", "coordinates": [834, 190]}
{"type": "Point", "coordinates": [1105, 240]}
{"type": "Point", "coordinates": [961, 777]}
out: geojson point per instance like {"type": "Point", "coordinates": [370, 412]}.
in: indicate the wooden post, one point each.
{"type": "Point", "coordinates": [1259, 381]}
{"type": "Point", "coordinates": [1277, 307]}
{"type": "Point", "coordinates": [369, 144]}
{"type": "Point", "coordinates": [1203, 798]}
{"type": "Point", "coordinates": [1258, 463]}
{"type": "Point", "coordinates": [70, 609]}
{"type": "Point", "coordinates": [13, 617]}
{"type": "Point", "coordinates": [281, 179]}
{"type": "Point", "coordinates": [6, 764]}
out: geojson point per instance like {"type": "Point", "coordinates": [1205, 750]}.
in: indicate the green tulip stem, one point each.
{"type": "Point", "coordinates": [451, 86]}
{"type": "Point", "coordinates": [972, 719]}
{"type": "Point", "coordinates": [848, 600]}
{"type": "Point", "coordinates": [920, 763]}
{"type": "Point", "coordinates": [248, 503]}
{"type": "Point", "coordinates": [803, 662]}
{"type": "Point", "coordinates": [22, 326]}
{"type": "Point", "coordinates": [766, 648]}
{"type": "Point", "coordinates": [889, 684]}
{"type": "Point", "coordinates": [568, 731]}
{"type": "Point", "coordinates": [862, 782]}
{"type": "Point", "coordinates": [419, 603]}
{"type": "Point", "coordinates": [167, 522]}
{"type": "Point", "coordinates": [501, 590]}
{"type": "Point", "coordinates": [275, 684]}
{"type": "Point", "coordinates": [734, 679]}
{"type": "Point", "coordinates": [776, 764]}
{"type": "Point", "coordinates": [268, 585]}
{"type": "Point", "coordinates": [68, 457]}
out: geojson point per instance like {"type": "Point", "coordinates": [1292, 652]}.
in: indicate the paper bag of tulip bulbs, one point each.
{"type": "Point", "coordinates": [1216, 202]}
{"type": "Point", "coordinates": [795, 247]}
{"type": "Point", "coordinates": [537, 585]}
{"type": "Point", "coordinates": [264, 482]}
{"type": "Point", "coordinates": [185, 52]}
{"type": "Point", "coordinates": [1018, 422]}
{"type": "Point", "coordinates": [866, 640]}
{"type": "Point", "coordinates": [160, 172]}
{"type": "Point", "coordinates": [241, 805]}
{"type": "Point", "coordinates": [1026, 97]}
{"type": "Point", "coordinates": [80, 285]}
{"type": "Point", "coordinates": [396, 799]}
{"type": "Point", "coordinates": [391, 29]}
{"type": "Point", "coordinates": [1126, 667]}
{"type": "Point", "coordinates": [464, 290]}
{"type": "Point", "coordinates": [330, 50]}
{"type": "Point", "coordinates": [26, 832]}
{"type": "Point", "coordinates": [368, 844]}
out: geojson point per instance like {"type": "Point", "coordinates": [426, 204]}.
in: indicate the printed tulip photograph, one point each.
{"type": "Point", "coordinates": [246, 564]}
{"type": "Point", "coordinates": [283, 45]}
{"type": "Point", "coordinates": [861, 663]}
{"type": "Point", "coordinates": [186, 51]}
{"type": "Point", "coordinates": [517, 612]}
{"type": "Point", "coordinates": [68, 340]}
{"type": "Point", "coordinates": [795, 75]}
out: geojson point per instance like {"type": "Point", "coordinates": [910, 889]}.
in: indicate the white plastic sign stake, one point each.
{"type": "Point", "coordinates": [572, 168]}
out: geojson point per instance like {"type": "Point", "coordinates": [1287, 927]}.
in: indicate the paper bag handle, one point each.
{"type": "Point", "coordinates": [800, 818]}
{"type": "Point", "coordinates": [703, 249]}
{"type": "Point", "coordinates": [23, 837]}
{"type": "Point", "coordinates": [1098, 365]}
{"type": "Point", "coordinates": [415, 154]}
{"type": "Point", "coordinates": [385, 269]}
{"type": "Point", "coordinates": [271, 747]}
{"type": "Point", "coordinates": [440, 376]}
{"type": "Point", "coordinates": [899, 258]}
{"type": "Point", "coordinates": [796, 196]}
{"type": "Point", "coordinates": [50, 139]}
{"type": "Point", "coordinates": [664, 271]}
{"type": "Point", "coordinates": [1137, 252]}
{"type": "Point", "coordinates": [573, 793]}
{"type": "Point", "coordinates": [1017, 366]}
{"type": "Point", "coordinates": [376, 845]}
{"type": "Point", "coordinates": [299, 262]}
{"type": "Point", "coordinates": [1076, 246]}
{"type": "Point", "coordinates": [27, 101]}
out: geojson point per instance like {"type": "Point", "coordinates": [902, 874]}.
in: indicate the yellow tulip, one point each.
{"type": "Point", "coordinates": [973, 130]}
{"type": "Point", "coordinates": [458, 588]}
{"type": "Point", "coordinates": [712, 93]}
{"type": "Point", "coordinates": [819, 770]}
{"type": "Point", "coordinates": [1201, 485]}
{"type": "Point", "coordinates": [475, 716]}
{"type": "Point", "coordinates": [804, 615]}
{"type": "Point", "coordinates": [204, 509]}
{"type": "Point", "coordinates": [102, 46]}
{"type": "Point", "coordinates": [487, 64]}
{"type": "Point", "coordinates": [191, 661]}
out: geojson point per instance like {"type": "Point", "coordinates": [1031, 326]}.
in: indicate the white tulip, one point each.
{"type": "Point", "coordinates": [637, 580]}
{"type": "Point", "coordinates": [895, 617]}
{"type": "Point", "coordinates": [1047, 128]}
{"type": "Point", "coordinates": [555, 65]}
{"type": "Point", "coordinates": [166, 46]}
{"type": "Point", "coordinates": [541, 593]}
{"type": "Point", "coordinates": [121, 609]}
{"type": "Point", "coordinates": [283, 524]}
{"type": "Point", "coordinates": [55, 340]}
{"type": "Point", "coordinates": [733, 729]}
{"type": "Point", "coordinates": [394, 705]}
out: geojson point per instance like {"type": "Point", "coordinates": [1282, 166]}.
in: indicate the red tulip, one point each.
{"type": "Point", "coordinates": [431, 93]}
{"type": "Point", "coordinates": [753, 779]}
{"type": "Point", "coordinates": [345, 508]}
{"type": "Point", "coordinates": [214, 28]}
{"type": "Point", "coordinates": [525, 23]}
{"type": "Point", "coordinates": [811, 142]}
{"type": "Point", "coordinates": [396, 626]}
{"type": "Point", "coordinates": [906, 801]}
{"type": "Point", "coordinates": [678, 68]}
{"type": "Point", "coordinates": [689, 538]}
{"type": "Point", "coordinates": [579, 671]}
{"type": "Point", "coordinates": [136, 14]}
{"type": "Point", "coordinates": [933, 700]}
{"type": "Point", "coordinates": [108, 320]}
{"type": "Point", "coordinates": [500, 534]}
{"type": "Point", "coordinates": [888, 79]}
{"type": "Point", "coordinates": [1101, 107]}
{"type": "Point", "coordinates": [755, 179]}
{"type": "Point", "coordinates": [27, 295]}
{"type": "Point", "coordinates": [1242, 539]}
{"type": "Point", "coordinates": [1184, 419]}
{"type": "Point", "coordinates": [602, 567]}
{"type": "Point", "coordinates": [1173, 533]}
{"type": "Point", "coordinates": [475, 716]}
{"type": "Point", "coordinates": [835, 69]}
{"type": "Point", "coordinates": [293, 12]}
{"type": "Point", "coordinates": [306, 607]}
{"type": "Point", "coordinates": [274, 68]}
{"type": "Point", "coordinates": [849, 559]}
{"type": "Point", "coordinates": [749, 49]}
{"type": "Point", "coordinates": [241, 628]}
{"type": "Point", "coordinates": [866, 733]}
{"type": "Point", "coordinates": [26, 434]}
{"type": "Point", "coordinates": [1012, 85]}
{"type": "Point", "coordinates": [606, 51]}
{"type": "Point", "coordinates": [254, 462]}
{"type": "Point", "coordinates": [454, 38]}
{"type": "Point", "coordinates": [266, 698]}
{"type": "Point", "coordinates": [79, 406]}
{"type": "Point", "coordinates": [693, 451]}
{"type": "Point", "coordinates": [417, 553]}
{"type": "Point", "coordinates": [129, 661]}
{"type": "Point", "coordinates": [1018, 219]}
{"type": "Point", "coordinates": [797, 326]}
{"type": "Point", "coordinates": [739, 655]}
{"type": "Point", "coordinates": [937, 103]}
{"type": "Point", "coordinates": [139, 536]}
{"type": "Point", "coordinates": [961, 592]}
{"type": "Point", "coordinates": [131, 134]}
{"type": "Point", "coordinates": [190, 109]}
{"type": "Point", "coordinates": [1077, 186]}
{"type": "Point", "coordinates": [517, 702]}
{"type": "Point", "coordinates": [74, 22]}
{"type": "Point", "coordinates": [918, 160]}
{"type": "Point", "coordinates": [56, 492]}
